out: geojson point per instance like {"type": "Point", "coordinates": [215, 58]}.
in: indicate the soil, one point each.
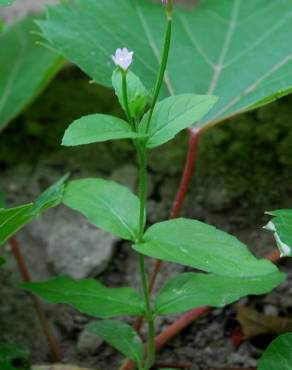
{"type": "Point", "coordinates": [243, 169]}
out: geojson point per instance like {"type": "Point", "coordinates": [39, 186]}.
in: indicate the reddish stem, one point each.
{"type": "Point", "coordinates": [274, 256]}
{"type": "Point", "coordinates": [52, 342]}
{"type": "Point", "coordinates": [182, 190]}
{"type": "Point", "coordinates": [171, 331]}
{"type": "Point", "coordinates": [187, 172]}
{"type": "Point", "coordinates": [182, 323]}
{"type": "Point", "coordinates": [178, 365]}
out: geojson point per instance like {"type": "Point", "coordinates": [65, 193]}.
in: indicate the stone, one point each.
{"type": "Point", "coordinates": [128, 176]}
{"type": "Point", "coordinates": [74, 246]}
{"type": "Point", "coordinates": [88, 343]}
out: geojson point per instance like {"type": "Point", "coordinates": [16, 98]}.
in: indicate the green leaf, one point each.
{"type": "Point", "coordinates": [6, 2]}
{"type": "Point", "coordinates": [278, 355]}
{"type": "Point", "coordinates": [121, 336]}
{"type": "Point", "coordinates": [97, 128]}
{"type": "Point", "coordinates": [25, 68]}
{"type": "Point", "coordinates": [173, 114]}
{"type": "Point", "coordinates": [190, 290]}
{"type": "Point", "coordinates": [281, 225]}
{"type": "Point", "coordinates": [89, 296]}
{"type": "Point", "coordinates": [2, 261]}
{"type": "Point", "coordinates": [202, 246]}
{"type": "Point", "coordinates": [13, 219]}
{"type": "Point", "coordinates": [106, 204]}
{"type": "Point", "coordinates": [137, 93]}
{"type": "Point", "coordinates": [236, 50]}
{"type": "Point", "coordinates": [51, 197]}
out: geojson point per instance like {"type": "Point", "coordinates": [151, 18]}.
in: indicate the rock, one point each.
{"type": "Point", "coordinates": [271, 310]}
{"type": "Point", "coordinates": [88, 343]}
{"type": "Point", "coordinates": [128, 176]}
{"type": "Point", "coordinates": [74, 246]}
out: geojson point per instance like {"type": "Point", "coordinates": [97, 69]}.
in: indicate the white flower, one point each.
{"type": "Point", "coordinates": [123, 58]}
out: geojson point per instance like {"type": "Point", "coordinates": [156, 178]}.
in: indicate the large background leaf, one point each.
{"type": "Point", "coordinates": [25, 68]}
{"type": "Point", "coordinates": [239, 50]}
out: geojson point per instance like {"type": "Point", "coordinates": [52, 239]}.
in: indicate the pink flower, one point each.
{"type": "Point", "coordinates": [123, 58]}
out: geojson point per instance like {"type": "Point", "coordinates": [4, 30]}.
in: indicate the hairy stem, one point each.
{"type": "Point", "coordinates": [52, 342]}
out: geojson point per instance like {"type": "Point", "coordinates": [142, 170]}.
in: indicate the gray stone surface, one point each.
{"type": "Point", "coordinates": [88, 343]}
{"type": "Point", "coordinates": [74, 246]}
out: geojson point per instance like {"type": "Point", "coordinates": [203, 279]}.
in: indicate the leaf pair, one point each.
{"type": "Point", "coordinates": [170, 116]}
{"type": "Point", "coordinates": [233, 270]}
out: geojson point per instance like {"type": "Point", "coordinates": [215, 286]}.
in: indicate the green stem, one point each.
{"type": "Point", "coordinates": [149, 316]}
{"type": "Point", "coordinates": [162, 68]}
{"type": "Point", "coordinates": [125, 98]}
{"type": "Point", "coordinates": [142, 192]}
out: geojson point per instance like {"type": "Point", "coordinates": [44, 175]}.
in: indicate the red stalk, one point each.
{"type": "Point", "coordinates": [182, 190]}
{"type": "Point", "coordinates": [171, 331]}
{"type": "Point", "coordinates": [162, 365]}
{"type": "Point", "coordinates": [52, 342]}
